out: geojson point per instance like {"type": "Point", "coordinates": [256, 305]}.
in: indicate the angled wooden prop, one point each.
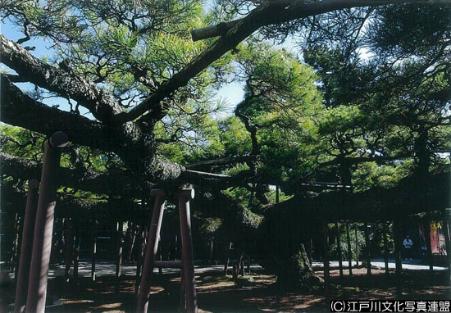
{"type": "Point", "coordinates": [188, 289]}
{"type": "Point", "coordinates": [43, 229]}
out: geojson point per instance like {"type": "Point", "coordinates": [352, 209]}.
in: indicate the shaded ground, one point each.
{"type": "Point", "coordinates": [257, 293]}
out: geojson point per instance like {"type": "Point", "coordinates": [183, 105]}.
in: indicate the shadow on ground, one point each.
{"type": "Point", "coordinates": [257, 293]}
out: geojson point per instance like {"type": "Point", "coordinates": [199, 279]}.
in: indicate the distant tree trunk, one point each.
{"type": "Point", "coordinates": [119, 242]}
{"type": "Point", "coordinates": [76, 249]}
{"type": "Point", "coordinates": [249, 264]}
{"type": "Point", "coordinates": [94, 251]}
{"type": "Point", "coordinates": [175, 248]}
{"type": "Point", "coordinates": [212, 250]}
{"type": "Point", "coordinates": [386, 252]}
{"type": "Point", "coordinates": [348, 241]}
{"type": "Point", "coordinates": [160, 257]}
{"type": "Point", "coordinates": [397, 239]}
{"type": "Point", "coordinates": [68, 247]}
{"type": "Point", "coordinates": [340, 262]}
{"type": "Point", "coordinates": [241, 264]}
{"type": "Point", "coordinates": [325, 244]}
{"type": "Point", "coordinates": [309, 248]}
{"type": "Point", "coordinates": [368, 249]}
{"type": "Point", "coordinates": [227, 257]}
{"type": "Point", "coordinates": [447, 231]}
{"type": "Point", "coordinates": [357, 251]}
{"type": "Point", "coordinates": [126, 241]}
{"type": "Point", "coordinates": [428, 243]}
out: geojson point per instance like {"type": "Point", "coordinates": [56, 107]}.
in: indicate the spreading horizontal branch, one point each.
{"type": "Point", "coordinates": [381, 159]}
{"type": "Point", "coordinates": [284, 11]}
{"type": "Point", "coordinates": [13, 200]}
{"type": "Point", "coordinates": [232, 33]}
{"type": "Point", "coordinates": [54, 79]}
{"type": "Point", "coordinates": [111, 183]}
{"type": "Point", "coordinates": [118, 183]}
{"type": "Point", "coordinates": [18, 109]}
{"type": "Point", "coordinates": [221, 161]}
{"type": "Point", "coordinates": [409, 197]}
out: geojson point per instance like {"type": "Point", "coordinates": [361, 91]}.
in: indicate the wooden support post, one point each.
{"type": "Point", "coordinates": [428, 243]}
{"type": "Point", "coordinates": [348, 240]}
{"type": "Point", "coordinates": [184, 196]}
{"type": "Point", "coordinates": [325, 241]}
{"type": "Point", "coordinates": [386, 251]}
{"type": "Point", "coordinates": [76, 248]}
{"type": "Point", "coordinates": [119, 243]}
{"type": "Point", "coordinates": [140, 258]}
{"type": "Point", "coordinates": [26, 247]}
{"type": "Point", "coordinates": [68, 247]}
{"type": "Point", "coordinates": [13, 261]}
{"type": "Point", "coordinates": [182, 303]}
{"type": "Point", "coordinates": [160, 268]}
{"type": "Point", "coordinates": [211, 243]}
{"type": "Point", "coordinates": [447, 232]}
{"type": "Point", "coordinates": [94, 251]}
{"type": "Point", "coordinates": [248, 264]}
{"type": "Point", "coordinates": [150, 251]}
{"type": "Point", "coordinates": [43, 230]}
{"type": "Point", "coordinates": [357, 252]}
{"type": "Point", "coordinates": [397, 239]}
{"type": "Point", "coordinates": [368, 249]}
{"type": "Point", "coordinates": [132, 239]}
{"type": "Point", "coordinates": [227, 257]}
{"type": "Point", "coordinates": [340, 255]}
{"type": "Point", "coordinates": [309, 248]}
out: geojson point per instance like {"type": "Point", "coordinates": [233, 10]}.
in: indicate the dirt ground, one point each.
{"type": "Point", "coordinates": [257, 293]}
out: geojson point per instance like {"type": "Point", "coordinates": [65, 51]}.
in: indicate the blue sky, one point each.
{"type": "Point", "coordinates": [229, 94]}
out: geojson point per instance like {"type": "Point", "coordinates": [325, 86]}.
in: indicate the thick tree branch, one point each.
{"type": "Point", "coordinates": [20, 110]}
{"type": "Point", "coordinates": [221, 161]}
{"type": "Point", "coordinates": [272, 12]}
{"type": "Point", "coordinates": [374, 204]}
{"type": "Point", "coordinates": [65, 84]}
{"type": "Point", "coordinates": [284, 11]}
{"type": "Point", "coordinates": [113, 182]}
{"type": "Point", "coordinates": [214, 181]}
{"type": "Point", "coordinates": [220, 47]}
{"type": "Point", "coordinates": [355, 160]}
{"type": "Point", "coordinates": [67, 206]}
